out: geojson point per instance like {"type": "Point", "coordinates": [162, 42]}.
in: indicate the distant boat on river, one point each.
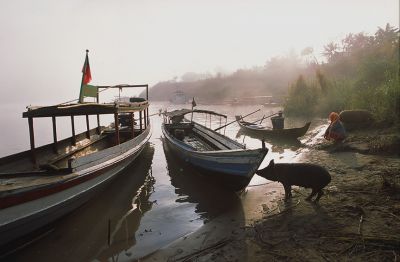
{"type": "Point", "coordinates": [178, 98]}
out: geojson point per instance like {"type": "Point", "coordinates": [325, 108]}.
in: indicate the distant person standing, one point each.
{"type": "Point", "coordinates": [335, 131]}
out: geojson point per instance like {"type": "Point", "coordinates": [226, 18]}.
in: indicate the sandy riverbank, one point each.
{"type": "Point", "coordinates": [358, 218]}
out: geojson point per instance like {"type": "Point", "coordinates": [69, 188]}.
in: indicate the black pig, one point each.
{"type": "Point", "coordinates": [298, 174]}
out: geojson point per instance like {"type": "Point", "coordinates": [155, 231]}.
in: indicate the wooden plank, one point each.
{"type": "Point", "coordinates": [84, 109]}
{"type": "Point", "coordinates": [217, 138]}
{"type": "Point", "coordinates": [110, 153]}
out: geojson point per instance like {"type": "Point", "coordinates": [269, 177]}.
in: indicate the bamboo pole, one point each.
{"type": "Point", "coordinates": [235, 120]}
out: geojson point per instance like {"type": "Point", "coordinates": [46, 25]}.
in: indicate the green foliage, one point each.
{"type": "Point", "coordinates": [302, 95]}
{"type": "Point", "coordinates": [361, 73]}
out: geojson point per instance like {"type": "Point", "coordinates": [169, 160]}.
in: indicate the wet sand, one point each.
{"type": "Point", "coordinates": [358, 218]}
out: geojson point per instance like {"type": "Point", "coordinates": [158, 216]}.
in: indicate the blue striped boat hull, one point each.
{"type": "Point", "coordinates": [231, 168]}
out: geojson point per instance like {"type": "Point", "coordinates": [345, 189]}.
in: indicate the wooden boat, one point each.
{"type": "Point", "coordinates": [262, 131]}
{"type": "Point", "coordinates": [220, 158]}
{"type": "Point", "coordinates": [42, 184]}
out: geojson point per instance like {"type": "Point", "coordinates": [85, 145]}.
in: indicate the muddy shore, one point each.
{"type": "Point", "coordinates": [358, 218]}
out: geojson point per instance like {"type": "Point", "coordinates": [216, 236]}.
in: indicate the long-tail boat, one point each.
{"type": "Point", "coordinates": [220, 158]}
{"type": "Point", "coordinates": [44, 183]}
{"type": "Point", "coordinates": [265, 132]}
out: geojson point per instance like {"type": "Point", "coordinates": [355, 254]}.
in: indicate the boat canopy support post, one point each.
{"type": "Point", "coordinates": [87, 127]}
{"type": "Point", "coordinates": [145, 119]}
{"type": "Point", "coordinates": [98, 116]}
{"type": "Point", "coordinates": [53, 119]}
{"type": "Point", "coordinates": [32, 141]}
{"type": "Point", "coordinates": [140, 120]}
{"type": "Point", "coordinates": [132, 125]}
{"type": "Point", "coordinates": [117, 141]}
{"type": "Point", "coordinates": [148, 116]}
{"type": "Point", "coordinates": [98, 124]}
{"type": "Point", "coordinates": [73, 138]}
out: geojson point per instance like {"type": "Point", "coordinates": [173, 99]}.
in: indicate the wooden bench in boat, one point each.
{"type": "Point", "coordinates": [71, 152]}
{"type": "Point", "coordinates": [218, 141]}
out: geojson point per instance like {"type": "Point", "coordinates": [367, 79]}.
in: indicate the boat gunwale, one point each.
{"type": "Point", "coordinates": [191, 149]}
{"type": "Point", "coordinates": [288, 132]}
{"type": "Point", "coordinates": [77, 177]}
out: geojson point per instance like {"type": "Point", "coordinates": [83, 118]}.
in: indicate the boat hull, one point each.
{"type": "Point", "coordinates": [233, 169]}
{"type": "Point", "coordinates": [288, 133]}
{"type": "Point", "coordinates": [54, 201]}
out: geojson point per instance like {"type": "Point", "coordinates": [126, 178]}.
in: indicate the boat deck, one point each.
{"type": "Point", "coordinates": [18, 171]}
{"type": "Point", "coordinates": [198, 143]}
{"type": "Point", "coordinates": [202, 139]}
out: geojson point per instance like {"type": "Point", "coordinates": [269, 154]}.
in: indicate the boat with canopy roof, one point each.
{"type": "Point", "coordinates": [44, 183]}
{"type": "Point", "coordinates": [220, 158]}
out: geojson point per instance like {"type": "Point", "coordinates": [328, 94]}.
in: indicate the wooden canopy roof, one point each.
{"type": "Point", "coordinates": [77, 109]}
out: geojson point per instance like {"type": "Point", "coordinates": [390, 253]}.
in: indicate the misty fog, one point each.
{"type": "Point", "coordinates": [42, 43]}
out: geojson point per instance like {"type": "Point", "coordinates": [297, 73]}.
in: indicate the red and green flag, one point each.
{"type": "Point", "coordinates": [87, 90]}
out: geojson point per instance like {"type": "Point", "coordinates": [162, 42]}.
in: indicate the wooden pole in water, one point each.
{"type": "Point", "coordinates": [116, 123]}
{"type": "Point", "coordinates": [32, 140]}
{"type": "Point", "coordinates": [53, 118]}
{"type": "Point", "coordinates": [87, 127]}
{"type": "Point", "coordinates": [73, 138]}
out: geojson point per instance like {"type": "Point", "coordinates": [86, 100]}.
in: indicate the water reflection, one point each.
{"type": "Point", "coordinates": [212, 202]}
{"type": "Point", "coordinates": [192, 186]}
{"type": "Point", "coordinates": [123, 236]}
{"type": "Point", "coordinates": [276, 144]}
{"type": "Point", "coordinates": [83, 235]}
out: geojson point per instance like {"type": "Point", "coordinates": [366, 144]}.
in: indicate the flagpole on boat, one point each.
{"type": "Point", "coordinates": [80, 100]}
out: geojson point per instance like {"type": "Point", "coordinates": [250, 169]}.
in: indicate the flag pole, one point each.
{"type": "Point", "coordinates": [80, 100]}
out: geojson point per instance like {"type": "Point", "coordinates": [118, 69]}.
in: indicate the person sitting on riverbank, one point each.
{"type": "Point", "coordinates": [335, 131]}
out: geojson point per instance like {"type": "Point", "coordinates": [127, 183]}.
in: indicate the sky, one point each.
{"type": "Point", "coordinates": [43, 42]}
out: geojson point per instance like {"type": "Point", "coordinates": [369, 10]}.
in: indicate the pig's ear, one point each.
{"type": "Point", "coordinates": [271, 163]}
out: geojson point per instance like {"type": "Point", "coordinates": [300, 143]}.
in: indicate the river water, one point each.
{"type": "Point", "coordinates": [152, 203]}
